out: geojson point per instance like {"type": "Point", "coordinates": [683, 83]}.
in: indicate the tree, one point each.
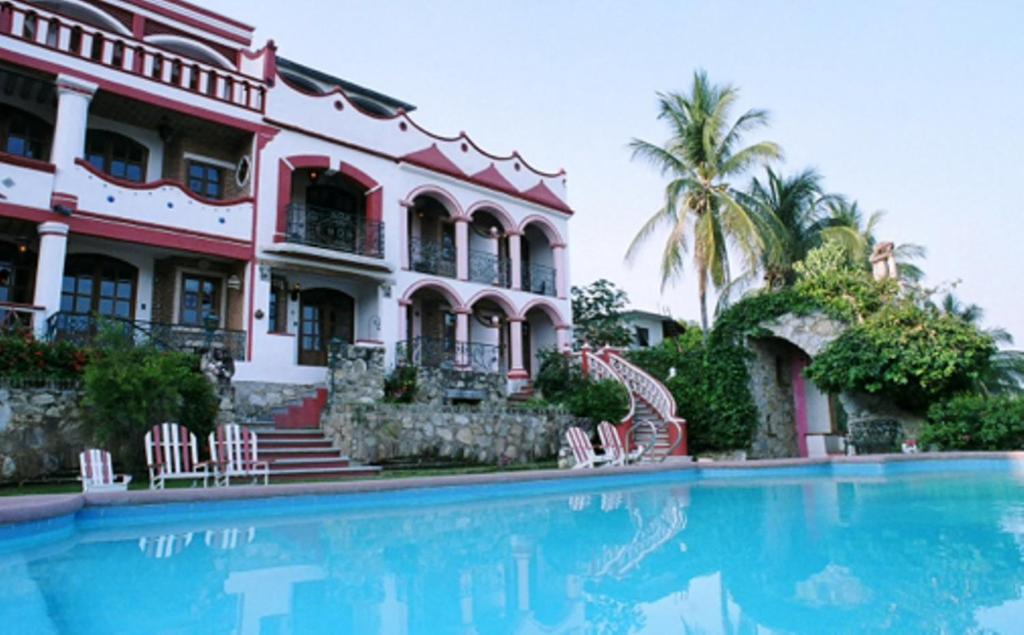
{"type": "Point", "coordinates": [861, 238]}
{"type": "Point", "coordinates": [702, 155]}
{"type": "Point", "coordinates": [1005, 372]}
{"type": "Point", "coordinates": [597, 314]}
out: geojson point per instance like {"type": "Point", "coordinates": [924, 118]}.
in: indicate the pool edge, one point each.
{"type": "Point", "coordinates": [23, 509]}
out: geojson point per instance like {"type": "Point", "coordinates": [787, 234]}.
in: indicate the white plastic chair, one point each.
{"type": "Point", "coordinates": [98, 472]}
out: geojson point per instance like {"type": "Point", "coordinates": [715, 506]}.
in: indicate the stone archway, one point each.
{"type": "Point", "coordinates": [792, 412]}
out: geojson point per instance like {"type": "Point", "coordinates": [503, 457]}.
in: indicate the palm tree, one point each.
{"type": "Point", "coordinates": [1005, 373]}
{"type": "Point", "coordinates": [793, 211]}
{"type": "Point", "coordinates": [701, 156]}
{"type": "Point", "coordinates": [861, 238]}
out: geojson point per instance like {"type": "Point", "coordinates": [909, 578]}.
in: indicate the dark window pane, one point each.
{"type": "Point", "coordinates": [106, 307]}
{"type": "Point", "coordinates": [82, 305]}
{"type": "Point", "coordinates": [195, 170]}
{"type": "Point", "coordinates": [134, 173]}
{"type": "Point", "coordinates": [16, 146]}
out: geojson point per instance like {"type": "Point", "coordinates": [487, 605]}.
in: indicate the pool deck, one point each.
{"type": "Point", "coordinates": [19, 509]}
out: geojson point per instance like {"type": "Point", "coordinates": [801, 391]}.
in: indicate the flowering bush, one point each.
{"type": "Point", "coordinates": [24, 357]}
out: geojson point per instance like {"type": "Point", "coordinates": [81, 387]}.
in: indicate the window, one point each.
{"type": "Point", "coordinates": [98, 285]}
{"type": "Point", "coordinates": [643, 337]}
{"type": "Point", "coordinates": [23, 134]}
{"type": "Point", "coordinates": [116, 155]}
{"type": "Point", "coordinates": [205, 180]}
{"type": "Point", "coordinates": [200, 298]}
{"type": "Point", "coordinates": [278, 314]}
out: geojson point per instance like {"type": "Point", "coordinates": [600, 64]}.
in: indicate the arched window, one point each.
{"type": "Point", "coordinates": [116, 155]}
{"type": "Point", "coordinates": [23, 134]}
{"type": "Point", "coordinates": [98, 285]}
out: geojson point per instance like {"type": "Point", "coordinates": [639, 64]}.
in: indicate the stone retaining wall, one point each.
{"type": "Point", "coordinates": [494, 435]}
{"type": "Point", "coordinates": [40, 432]}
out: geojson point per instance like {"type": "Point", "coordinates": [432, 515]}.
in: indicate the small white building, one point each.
{"type": "Point", "coordinates": [649, 329]}
{"type": "Point", "coordinates": [157, 169]}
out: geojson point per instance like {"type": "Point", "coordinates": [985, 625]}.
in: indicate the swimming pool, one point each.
{"type": "Point", "coordinates": [903, 547]}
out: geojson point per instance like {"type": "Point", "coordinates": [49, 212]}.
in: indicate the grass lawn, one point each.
{"type": "Point", "coordinates": [75, 488]}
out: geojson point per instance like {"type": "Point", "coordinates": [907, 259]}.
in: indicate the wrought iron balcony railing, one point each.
{"type": "Point", "coordinates": [539, 279]}
{"type": "Point", "coordinates": [18, 318]}
{"type": "Point", "coordinates": [334, 230]}
{"type": "Point", "coordinates": [83, 329]}
{"type": "Point", "coordinates": [436, 352]}
{"type": "Point", "coordinates": [429, 256]}
{"type": "Point", "coordinates": [490, 269]}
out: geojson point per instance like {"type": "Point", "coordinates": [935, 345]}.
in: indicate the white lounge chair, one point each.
{"type": "Point", "coordinates": [583, 450]}
{"type": "Point", "coordinates": [98, 472]}
{"type": "Point", "coordinates": [234, 453]}
{"type": "Point", "coordinates": [173, 453]}
{"type": "Point", "coordinates": [614, 447]}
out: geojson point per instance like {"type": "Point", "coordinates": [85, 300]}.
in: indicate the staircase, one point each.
{"type": "Point", "coordinates": [291, 440]}
{"type": "Point", "coordinates": [651, 420]}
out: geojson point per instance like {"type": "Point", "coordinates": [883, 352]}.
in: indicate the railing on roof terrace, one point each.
{"type": "Point", "coordinates": [127, 54]}
{"type": "Point", "coordinates": [437, 352]}
{"type": "Point", "coordinates": [539, 279]}
{"type": "Point", "coordinates": [334, 230]}
{"type": "Point", "coordinates": [431, 256]}
{"type": "Point", "coordinates": [490, 268]}
{"type": "Point", "coordinates": [83, 329]}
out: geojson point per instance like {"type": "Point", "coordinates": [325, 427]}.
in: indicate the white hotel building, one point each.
{"type": "Point", "coordinates": [156, 169]}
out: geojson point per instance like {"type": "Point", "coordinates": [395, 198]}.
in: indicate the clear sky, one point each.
{"type": "Point", "coordinates": [911, 107]}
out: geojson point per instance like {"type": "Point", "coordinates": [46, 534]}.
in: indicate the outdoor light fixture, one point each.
{"type": "Point", "coordinates": [234, 282]}
{"type": "Point", "coordinates": [296, 289]}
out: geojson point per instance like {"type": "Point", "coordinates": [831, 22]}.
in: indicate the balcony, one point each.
{"type": "Point", "coordinates": [428, 256]}
{"type": "Point", "coordinates": [81, 330]}
{"type": "Point", "coordinates": [331, 229]}
{"type": "Point", "coordinates": [435, 352]}
{"type": "Point", "coordinates": [164, 203]}
{"type": "Point", "coordinates": [539, 279]}
{"type": "Point", "coordinates": [489, 268]}
{"type": "Point", "coordinates": [47, 30]}
{"type": "Point", "coordinates": [18, 318]}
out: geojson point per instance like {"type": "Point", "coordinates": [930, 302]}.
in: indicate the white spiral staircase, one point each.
{"type": "Point", "coordinates": [652, 421]}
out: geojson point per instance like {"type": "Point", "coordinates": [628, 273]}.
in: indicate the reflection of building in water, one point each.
{"type": "Point", "coordinates": [267, 592]}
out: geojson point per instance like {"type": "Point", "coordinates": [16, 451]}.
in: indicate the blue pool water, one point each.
{"type": "Point", "coordinates": [922, 548]}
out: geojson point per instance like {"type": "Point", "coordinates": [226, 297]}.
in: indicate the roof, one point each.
{"type": "Point", "coordinates": [350, 88]}
{"type": "Point", "coordinates": [647, 314]}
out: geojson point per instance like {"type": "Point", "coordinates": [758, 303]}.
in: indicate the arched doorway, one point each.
{"type": "Point", "coordinates": [431, 237]}
{"type": "Point", "coordinates": [324, 315]}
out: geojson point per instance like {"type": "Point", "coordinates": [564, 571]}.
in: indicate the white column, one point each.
{"type": "Point", "coordinates": [462, 248]}
{"type": "Point", "coordinates": [515, 254]}
{"type": "Point", "coordinates": [53, 247]}
{"type": "Point", "coordinates": [558, 256]}
{"type": "Point", "coordinates": [516, 370]}
{"type": "Point", "coordinates": [462, 337]}
{"type": "Point", "coordinates": [563, 337]}
{"type": "Point", "coordinates": [73, 97]}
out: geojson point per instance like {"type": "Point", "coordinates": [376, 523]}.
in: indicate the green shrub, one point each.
{"type": "Point", "coordinates": [604, 400]}
{"type": "Point", "coordinates": [847, 293]}
{"type": "Point", "coordinates": [976, 422]}
{"type": "Point", "coordinates": [557, 378]}
{"type": "Point", "coordinates": [22, 357]}
{"type": "Point", "coordinates": [128, 389]}
{"type": "Point", "coordinates": [400, 386]}
{"type": "Point", "coordinates": [908, 355]}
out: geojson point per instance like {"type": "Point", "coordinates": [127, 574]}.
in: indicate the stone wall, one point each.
{"type": "Point", "coordinates": [358, 375]}
{"type": "Point", "coordinates": [443, 385]}
{"type": "Point", "coordinates": [484, 434]}
{"type": "Point", "coordinates": [770, 379]}
{"type": "Point", "coordinates": [40, 432]}
{"type": "Point", "coordinates": [249, 400]}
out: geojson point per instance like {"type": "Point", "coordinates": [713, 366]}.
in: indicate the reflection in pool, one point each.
{"type": "Point", "coordinates": [913, 553]}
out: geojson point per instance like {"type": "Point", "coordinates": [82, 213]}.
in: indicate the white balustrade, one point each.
{"type": "Point", "coordinates": [124, 53]}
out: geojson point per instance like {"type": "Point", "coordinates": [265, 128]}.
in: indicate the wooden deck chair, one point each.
{"type": "Point", "coordinates": [614, 447]}
{"type": "Point", "coordinates": [582, 449]}
{"type": "Point", "coordinates": [173, 453]}
{"type": "Point", "coordinates": [234, 453]}
{"type": "Point", "coordinates": [98, 472]}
